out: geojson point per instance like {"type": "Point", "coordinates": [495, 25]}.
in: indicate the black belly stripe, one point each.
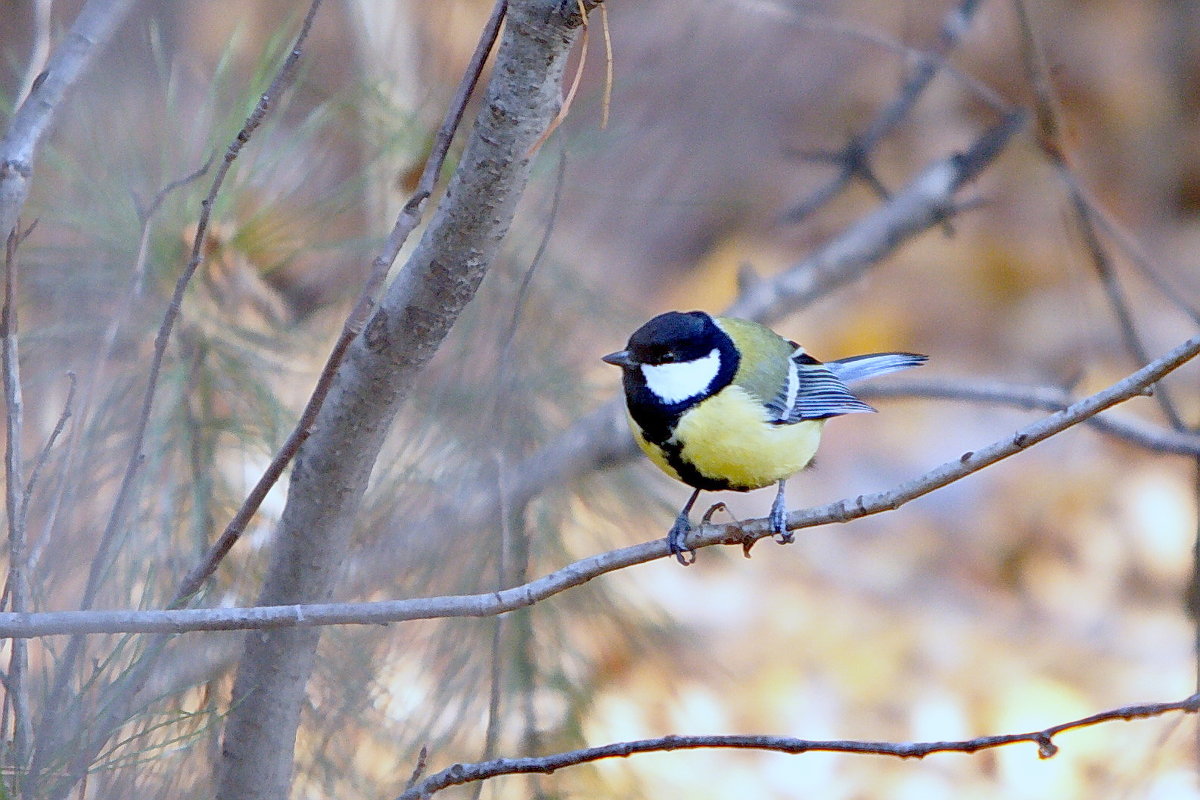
{"type": "Point", "coordinates": [657, 420]}
{"type": "Point", "coordinates": [672, 450]}
{"type": "Point", "coordinates": [657, 425]}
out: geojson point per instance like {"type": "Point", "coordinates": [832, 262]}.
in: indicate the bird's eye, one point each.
{"type": "Point", "coordinates": [664, 356]}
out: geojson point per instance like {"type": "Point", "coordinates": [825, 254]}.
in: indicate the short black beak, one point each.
{"type": "Point", "coordinates": [621, 358]}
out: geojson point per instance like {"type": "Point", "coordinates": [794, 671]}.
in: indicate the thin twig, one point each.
{"type": "Point", "coordinates": [584, 570]}
{"type": "Point", "coordinates": [125, 493]}
{"type": "Point", "coordinates": [458, 106]}
{"type": "Point", "coordinates": [145, 215]}
{"type": "Point", "coordinates": [1113, 289]}
{"type": "Point", "coordinates": [854, 160]}
{"type": "Point", "coordinates": [1050, 142]}
{"type": "Point", "coordinates": [459, 774]}
{"type": "Point", "coordinates": [504, 382]}
{"type": "Point", "coordinates": [1154, 438]}
{"type": "Point", "coordinates": [44, 456]}
{"type": "Point", "coordinates": [1138, 257]}
{"type": "Point", "coordinates": [132, 299]}
{"type": "Point", "coordinates": [407, 221]}
{"type": "Point", "coordinates": [18, 577]}
{"type": "Point", "coordinates": [491, 734]}
{"type": "Point", "coordinates": [1191, 595]}
{"type": "Point", "coordinates": [524, 645]}
{"type": "Point", "coordinates": [569, 100]}
{"type": "Point", "coordinates": [804, 18]}
{"type": "Point", "coordinates": [606, 101]}
{"type": "Point", "coordinates": [927, 200]}
{"type": "Point", "coordinates": [419, 767]}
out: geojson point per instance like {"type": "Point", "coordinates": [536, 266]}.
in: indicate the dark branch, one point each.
{"type": "Point", "coordinates": [854, 160]}
{"type": "Point", "coordinates": [1050, 142]}
{"type": "Point", "coordinates": [459, 774]}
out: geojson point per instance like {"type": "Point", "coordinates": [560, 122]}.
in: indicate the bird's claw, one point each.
{"type": "Point", "coordinates": [778, 520]}
{"type": "Point", "coordinates": [677, 541]}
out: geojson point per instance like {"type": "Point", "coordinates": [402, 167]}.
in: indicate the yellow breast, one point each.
{"type": "Point", "coordinates": [728, 437]}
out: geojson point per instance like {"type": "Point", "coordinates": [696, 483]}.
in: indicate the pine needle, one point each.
{"type": "Point", "coordinates": [608, 66]}
{"type": "Point", "coordinates": [570, 98]}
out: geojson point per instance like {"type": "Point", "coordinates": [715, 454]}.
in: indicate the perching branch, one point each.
{"type": "Point", "coordinates": [972, 461]}
{"type": "Point", "coordinates": [459, 774]}
{"type": "Point", "coordinates": [484, 605]}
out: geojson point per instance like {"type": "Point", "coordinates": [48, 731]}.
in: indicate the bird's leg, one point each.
{"type": "Point", "coordinates": [778, 517]}
{"type": "Point", "coordinates": [677, 537]}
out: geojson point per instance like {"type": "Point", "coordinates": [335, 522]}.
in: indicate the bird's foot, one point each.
{"type": "Point", "coordinates": [778, 520]}
{"type": "Point", "coordinates": [677, 541]}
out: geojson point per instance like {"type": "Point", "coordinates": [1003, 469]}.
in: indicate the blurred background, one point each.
{"type": "Point", "coordinates": [1045, 588]}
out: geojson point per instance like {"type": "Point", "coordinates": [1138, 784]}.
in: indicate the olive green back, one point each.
{"type": "Point", "coordinates": [764, 365]}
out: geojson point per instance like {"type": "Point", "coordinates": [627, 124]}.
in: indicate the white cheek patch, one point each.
{"type": "Point", "coordinates": [674, 383]}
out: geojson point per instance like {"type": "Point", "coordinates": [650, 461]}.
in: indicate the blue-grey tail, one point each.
{"type": "Point", "coordinates": [858, 368]}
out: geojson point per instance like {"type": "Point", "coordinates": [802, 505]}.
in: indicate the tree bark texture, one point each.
{"type": "Point", "coordinates": [418, 309]}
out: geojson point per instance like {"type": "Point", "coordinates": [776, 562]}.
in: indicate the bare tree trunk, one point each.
{"type": "Point", "coordinates": [333, 466]}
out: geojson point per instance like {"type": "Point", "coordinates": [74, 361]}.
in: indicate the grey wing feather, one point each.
{"type": "Point", "coordinates": [857, 368]}
{"type": "Point", "coordinates": [818, 390]}
{"type": "Point", "coordinates": [822, 394]}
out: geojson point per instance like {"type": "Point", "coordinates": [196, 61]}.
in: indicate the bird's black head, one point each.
{"type": "Point", "coordinates": [672, 338]}
{"type": "Point", "coordinates": [671, 363]}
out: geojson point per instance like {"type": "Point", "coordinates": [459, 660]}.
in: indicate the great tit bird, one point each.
{"type": "Point", "coordinates": [721, 403]}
